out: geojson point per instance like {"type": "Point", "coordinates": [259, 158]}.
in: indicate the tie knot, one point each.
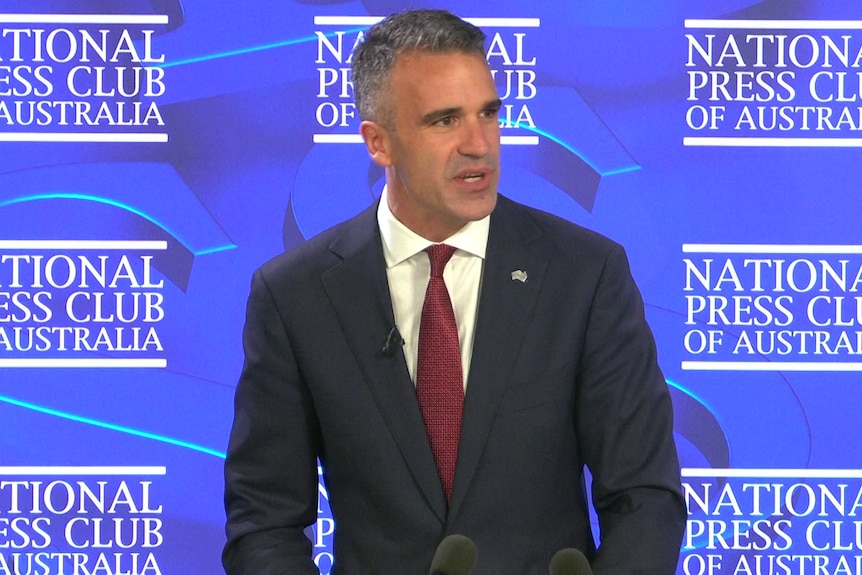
{"type": "Point", "coordinates": [439, 254]}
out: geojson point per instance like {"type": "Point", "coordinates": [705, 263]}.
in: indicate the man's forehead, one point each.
{"type": "Point", "coordinates": [424, 69]}
{"type": "Point", "coordinates": [440, 80]}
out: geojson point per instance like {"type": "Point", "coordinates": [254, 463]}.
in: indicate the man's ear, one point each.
{"type": "Point", "coordinates": [376, 138]}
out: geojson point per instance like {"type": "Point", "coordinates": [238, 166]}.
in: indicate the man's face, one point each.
{"type": "Point", "coordinates": [441, 147]}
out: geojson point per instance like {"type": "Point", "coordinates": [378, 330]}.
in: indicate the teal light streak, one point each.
{"type": "Point", "coordinates": [252, 49]}
{"type": "Point", "coordinates": [111, 426]}
{"type": "Point", "coordinates": [568, 146]}
{"type": "Point", "coordinates": [690, 394]}
{"type": "Point", "coordinates": [625, 170]}
{"type": "Point", "coordinates": [216, 250]}
{"type": "Point", "coordinates": [116, 204]}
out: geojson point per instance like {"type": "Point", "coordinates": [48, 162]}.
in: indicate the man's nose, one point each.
{"type": "Point", "coordinates": [477, 138]}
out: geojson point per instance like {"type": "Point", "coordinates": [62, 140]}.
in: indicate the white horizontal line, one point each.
{"type": "Point", "coordinates": [83, 18]}
{"type": "Point", "coordinates": [774, 473]}
{"type": "Point", "coordinates": [770, 366]}
{"type": "Point", "coordinates": [337, 139]}
{"type": "Point", "coordinates": [505, 22]}
{"type": "Point", "coordinates": [519, 140]}
{"type": "Point", "coordinates": [83, 470]}
{"type": "Point", "coordinates": [82, 245]}
{"type": "Point", "coordinates": [80, 137]}
{"type": "Point", "coordinates": [777, 24]}
{"type": "Point", "coordinates": [770, 249]}
{"type": "Point", "coordinates": [347, 20]}
{"type": "Point", "coordinates": [74, 363]}
{"type": "Point", "coordinates": [483, 22]}
{"type": "Point", "coordinates": [357, 139]}
{"type": "Point", "coordinates": [774, 142]}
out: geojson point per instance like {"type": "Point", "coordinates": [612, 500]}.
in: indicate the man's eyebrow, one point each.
{"type": "Point", "coordinates": [430, 117]}
{"type": "Point", "coordinates": [437, 114]}
{"type": "Point", "coordinates": [494, 104]}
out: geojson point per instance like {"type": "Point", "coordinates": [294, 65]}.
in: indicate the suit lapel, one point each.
{"type": "Point", "coordinates": [359, 292]}
{"type": "Point", "coordinates": [505, 307]}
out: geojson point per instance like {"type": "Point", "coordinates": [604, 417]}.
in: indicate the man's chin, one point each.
{"type": "Point", "coordinates": [483, 204]}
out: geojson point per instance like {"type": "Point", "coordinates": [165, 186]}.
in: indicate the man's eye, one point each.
{"type": "Point", "coordinates": [491, 113]}
{"type": "Point", "coordinates": [446, 121]}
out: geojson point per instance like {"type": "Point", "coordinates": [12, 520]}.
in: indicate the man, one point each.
{"type": "Point", "coordinates": [557, 365]}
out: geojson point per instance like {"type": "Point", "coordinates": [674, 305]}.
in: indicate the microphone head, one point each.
{"type": "Point", "coordinates": [456, 555]}
{"type": "Point", "coordinates": [570, 561]}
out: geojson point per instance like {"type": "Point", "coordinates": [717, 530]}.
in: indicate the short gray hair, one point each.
{"type": "Point", "coordinates": [413, 30]}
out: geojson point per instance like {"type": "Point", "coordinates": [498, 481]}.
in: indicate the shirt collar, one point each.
{"type": "Point", "coordinates": [401, 243]}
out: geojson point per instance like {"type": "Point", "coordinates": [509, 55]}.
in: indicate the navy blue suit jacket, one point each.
{"type": "Point", "coordinates": [564, 374]}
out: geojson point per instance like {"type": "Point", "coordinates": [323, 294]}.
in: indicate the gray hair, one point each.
{"type": "Point", "coordinates": [413, 30]}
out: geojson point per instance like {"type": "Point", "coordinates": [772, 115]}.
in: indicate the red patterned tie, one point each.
{"type": "Point", "coordinates": [439, 380]}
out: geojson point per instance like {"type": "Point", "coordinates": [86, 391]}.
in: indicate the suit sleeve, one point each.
{"type": "Point", "coordinates": [271, 480]}
{"type": "Point", "coordinates": [626, 428]}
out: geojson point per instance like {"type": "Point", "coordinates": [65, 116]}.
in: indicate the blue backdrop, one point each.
{"type": "Point", "coordinates": [153, 153]}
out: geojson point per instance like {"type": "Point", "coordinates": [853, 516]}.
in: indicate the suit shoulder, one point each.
{"type": "Point", "coordinates": [565, 236]}
{"type": "Point", "coordinates": [312, 257]}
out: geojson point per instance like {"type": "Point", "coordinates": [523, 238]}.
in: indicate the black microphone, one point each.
{"type": "Point", "coordinates": [456, 555]}
{"type": "Point", "coordinates": [393, 340]}
{"type": "Point", "coordinates": [570, 562]}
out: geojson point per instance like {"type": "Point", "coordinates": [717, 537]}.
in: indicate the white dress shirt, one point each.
{"type": "Point", "coordinates": [408, 270]}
